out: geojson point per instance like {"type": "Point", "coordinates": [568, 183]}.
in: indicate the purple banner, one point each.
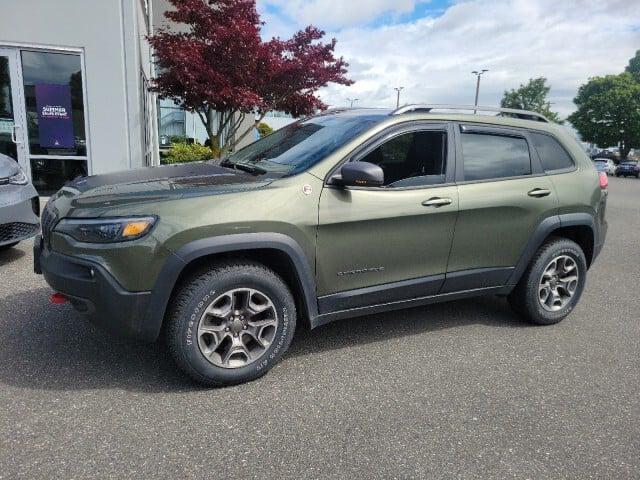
{"type": "Point", "coordinates": [54, 116]}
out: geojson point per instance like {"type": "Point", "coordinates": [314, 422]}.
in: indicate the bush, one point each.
{"type": "Point", "coordinates": [183, 153]}
{"type": "Point", "coordinates": [264, 130]}
{"type": "Point", "coordinates": [177, 139]}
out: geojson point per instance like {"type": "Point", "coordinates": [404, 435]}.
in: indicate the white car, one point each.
{"type": "Point", "coordinates": [610, 168]}
{"type": "Point", "coordinates": [19, 205]}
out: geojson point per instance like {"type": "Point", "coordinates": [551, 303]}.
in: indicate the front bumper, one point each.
{"type": "Point", "coordinates": [19, 209]}
{"type": "Point", "coordinates": [94, 293]}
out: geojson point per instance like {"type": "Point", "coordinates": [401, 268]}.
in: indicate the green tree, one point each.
{"type": "Point", "coordinates": [609, 112]}
{"type": "Point", "coordinates": [634, 66]}
{"type": "Point", "coordinates": [264, 130]}
{"type": "Point", "coordinates": [533, 97]}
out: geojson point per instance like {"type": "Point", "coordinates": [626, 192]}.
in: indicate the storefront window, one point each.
{"type": "Point", "coordinates": [54, 103]}
{"type": "Point", "coordinates": [171, 122]}
{"type": "Point", "coordinates": [50, 174]}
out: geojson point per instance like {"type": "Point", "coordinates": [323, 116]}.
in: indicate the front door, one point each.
{"type": "Point", "coordinates": [12, 114]}
{"type": "Point", "coordinates": [393, 241]}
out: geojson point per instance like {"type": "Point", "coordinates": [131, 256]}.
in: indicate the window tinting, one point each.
{"type": "Point", "coordinates": [412, 159]}
{"type": "Point", "coordinates": [494, 156]}
{"type": "Point", "coordinates": [551, 153]}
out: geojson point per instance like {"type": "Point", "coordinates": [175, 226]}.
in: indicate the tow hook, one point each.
{"type": "Point", "coordinates": [58, 299]}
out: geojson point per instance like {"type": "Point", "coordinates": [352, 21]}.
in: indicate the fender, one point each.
{"type": "Point", "coordinates": [179, 259]}
{"type": "Point", "coordinates": [542, 231]}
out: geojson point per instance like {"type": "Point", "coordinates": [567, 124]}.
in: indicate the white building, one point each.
{"type": "Point", "coordinates": [74, 79]}
{"type": "Point", "coordinates": [95, 54]}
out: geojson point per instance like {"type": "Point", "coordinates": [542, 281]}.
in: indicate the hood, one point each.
{"type": "Point", "coordinates": [158, 183]}
{"type": "Point", "coordinates": [8, 166]}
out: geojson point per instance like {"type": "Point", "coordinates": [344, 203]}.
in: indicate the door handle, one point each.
{"type": "Point", "coordinates": [539, 193]}
{"type": "Point", "coordinates": [14, 137]}
{"type": "Point", "coordinates": [437, 202]}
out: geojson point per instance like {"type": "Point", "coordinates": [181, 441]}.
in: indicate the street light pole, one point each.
{"type": "Point", "coordinates": [352, 101]}
{"type": "Point", "coordinates": [478, 74]}
{"type": "Point", "coordinates": [398, 89]}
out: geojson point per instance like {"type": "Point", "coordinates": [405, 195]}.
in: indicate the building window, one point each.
{"type": "Point", "coordinates": [54, 98]}
{"type": "Point", "coordinates": [171, 122]}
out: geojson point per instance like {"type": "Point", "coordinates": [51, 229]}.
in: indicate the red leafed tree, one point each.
{"type": "Point", "coordinates": [213, 61]}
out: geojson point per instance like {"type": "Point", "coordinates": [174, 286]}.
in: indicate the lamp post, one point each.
{"type": "Point", "coordinates": [352, 101]}
{"type": "Point", "coordinates": [398, 89]}
{"type": "Point", "coordinates": [478, 74]}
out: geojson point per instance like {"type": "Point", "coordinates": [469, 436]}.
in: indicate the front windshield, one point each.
{"type": "Point", "coordinates": [299, 146]}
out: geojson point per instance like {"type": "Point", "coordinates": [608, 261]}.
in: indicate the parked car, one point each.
{"type": "Point", "coordinates": [344, 214]}
{"type": "Point", "coordinates": [628, 168]}
{"type": "Point", "coordinates": [605, 165]}
{"type": "Point", "coordinates": [19, 205]}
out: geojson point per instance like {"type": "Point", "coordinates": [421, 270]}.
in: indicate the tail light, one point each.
{"type": "Point", "coordinates": [604, 180]}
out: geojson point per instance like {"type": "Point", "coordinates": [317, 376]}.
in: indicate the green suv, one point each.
{"type": "Point", "coordinates": [345, 214]}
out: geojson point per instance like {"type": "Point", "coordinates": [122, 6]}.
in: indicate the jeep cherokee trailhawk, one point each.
{"type": "Point", "coordinates": [344, 214]}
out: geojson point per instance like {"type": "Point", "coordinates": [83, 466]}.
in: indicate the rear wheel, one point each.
{"type": "Point", "coordinates": [552, 284]}
{"type": "Point", "coordinates": [231, 324]}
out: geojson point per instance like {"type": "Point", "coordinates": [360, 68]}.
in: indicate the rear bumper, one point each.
{"type": "Point", "coordinates": [601, 226]}
{"type": "Point", "coordinates": [95, 294]}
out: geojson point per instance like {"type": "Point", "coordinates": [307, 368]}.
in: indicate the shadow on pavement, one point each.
{"type": "Point", "coordinates": [10, 255]}
{"type": "Point", "coordinates": [490, 311]}
{"type": "Point", "coordinates": [53, 348]}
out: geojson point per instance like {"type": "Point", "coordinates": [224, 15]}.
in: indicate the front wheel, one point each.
{"type": "Point", "coordinates": [231, 323]}
{"type": "Point", "coordinates": [552, 284]}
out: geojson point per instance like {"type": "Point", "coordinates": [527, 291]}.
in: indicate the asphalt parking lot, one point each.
{"type": "Point", "coordinates": [459, 390]}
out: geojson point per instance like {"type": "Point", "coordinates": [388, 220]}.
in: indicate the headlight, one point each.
{"type": "Point", "coordinates": [19, 179]}
{"type": "Point", "coordinates": [106, 230]}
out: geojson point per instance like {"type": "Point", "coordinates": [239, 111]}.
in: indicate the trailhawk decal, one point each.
{"type": "Point", "coordinates": [361, 270]}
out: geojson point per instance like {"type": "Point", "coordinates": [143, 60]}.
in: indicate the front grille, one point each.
{"type": "Point", "coordinates": [17, 231]}
{"type": "Point", "coordinates": [48, 220]}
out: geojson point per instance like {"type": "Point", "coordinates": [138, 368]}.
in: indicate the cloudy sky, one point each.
{"type": "Point", "coordinates": [431, 46]}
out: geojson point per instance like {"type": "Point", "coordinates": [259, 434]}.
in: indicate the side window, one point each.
{"type": "Point", "coordinates": [412, 159]}
{"type": "Point", "coordinates": [488, 156]}
{"type": "Point", "coordinates": [552, 155]}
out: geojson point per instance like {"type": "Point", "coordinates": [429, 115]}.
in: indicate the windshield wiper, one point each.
{"type": "Point", "coordinates": [244, 167]}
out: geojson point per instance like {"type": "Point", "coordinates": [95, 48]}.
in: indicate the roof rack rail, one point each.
{"type": "Point", "coordinates": [523, 114]}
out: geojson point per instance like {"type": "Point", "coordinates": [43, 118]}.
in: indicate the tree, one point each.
{"type": "Point", "coordinates": [216, 65]}
{"type": "Point", "coordinates": [634, 66]}
{"type": "Point", "coordinates": [609, 112]}
{"type": "Point", "coordinates": [533, 97]}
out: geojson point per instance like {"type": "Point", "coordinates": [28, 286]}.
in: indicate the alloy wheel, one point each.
{"type": "Point", "coordinates": [559, 283]}
{"type": "Point", "coordinates": [237, 328]}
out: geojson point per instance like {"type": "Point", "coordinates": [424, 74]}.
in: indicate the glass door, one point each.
{"type": "Point", "coordinates": [12, 111]}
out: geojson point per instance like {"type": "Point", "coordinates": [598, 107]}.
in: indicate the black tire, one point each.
{"type": "Point", "coordinates": [197, 293]}
{"type": "Point", "coordinates": [8, 246]}
{"type": "Point", "coordinates": [525, 298]}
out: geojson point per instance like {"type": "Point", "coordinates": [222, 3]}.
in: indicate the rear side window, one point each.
{"type": "Point", "coordinates": [488, 156]}
{"type": "Point", "coordinates": [551, 153]}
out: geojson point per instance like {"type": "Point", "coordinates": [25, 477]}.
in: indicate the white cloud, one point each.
{"type": "Point", "coordinates": [566, 41]}
{"type": "Point", "coordinates": [341, 13]}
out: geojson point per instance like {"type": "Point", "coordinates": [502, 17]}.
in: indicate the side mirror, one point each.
{"type": "Point", "coordinates": [360, 174]}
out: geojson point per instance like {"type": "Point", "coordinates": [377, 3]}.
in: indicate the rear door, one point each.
{"type": "Point", "coordinates": [504, 194]}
